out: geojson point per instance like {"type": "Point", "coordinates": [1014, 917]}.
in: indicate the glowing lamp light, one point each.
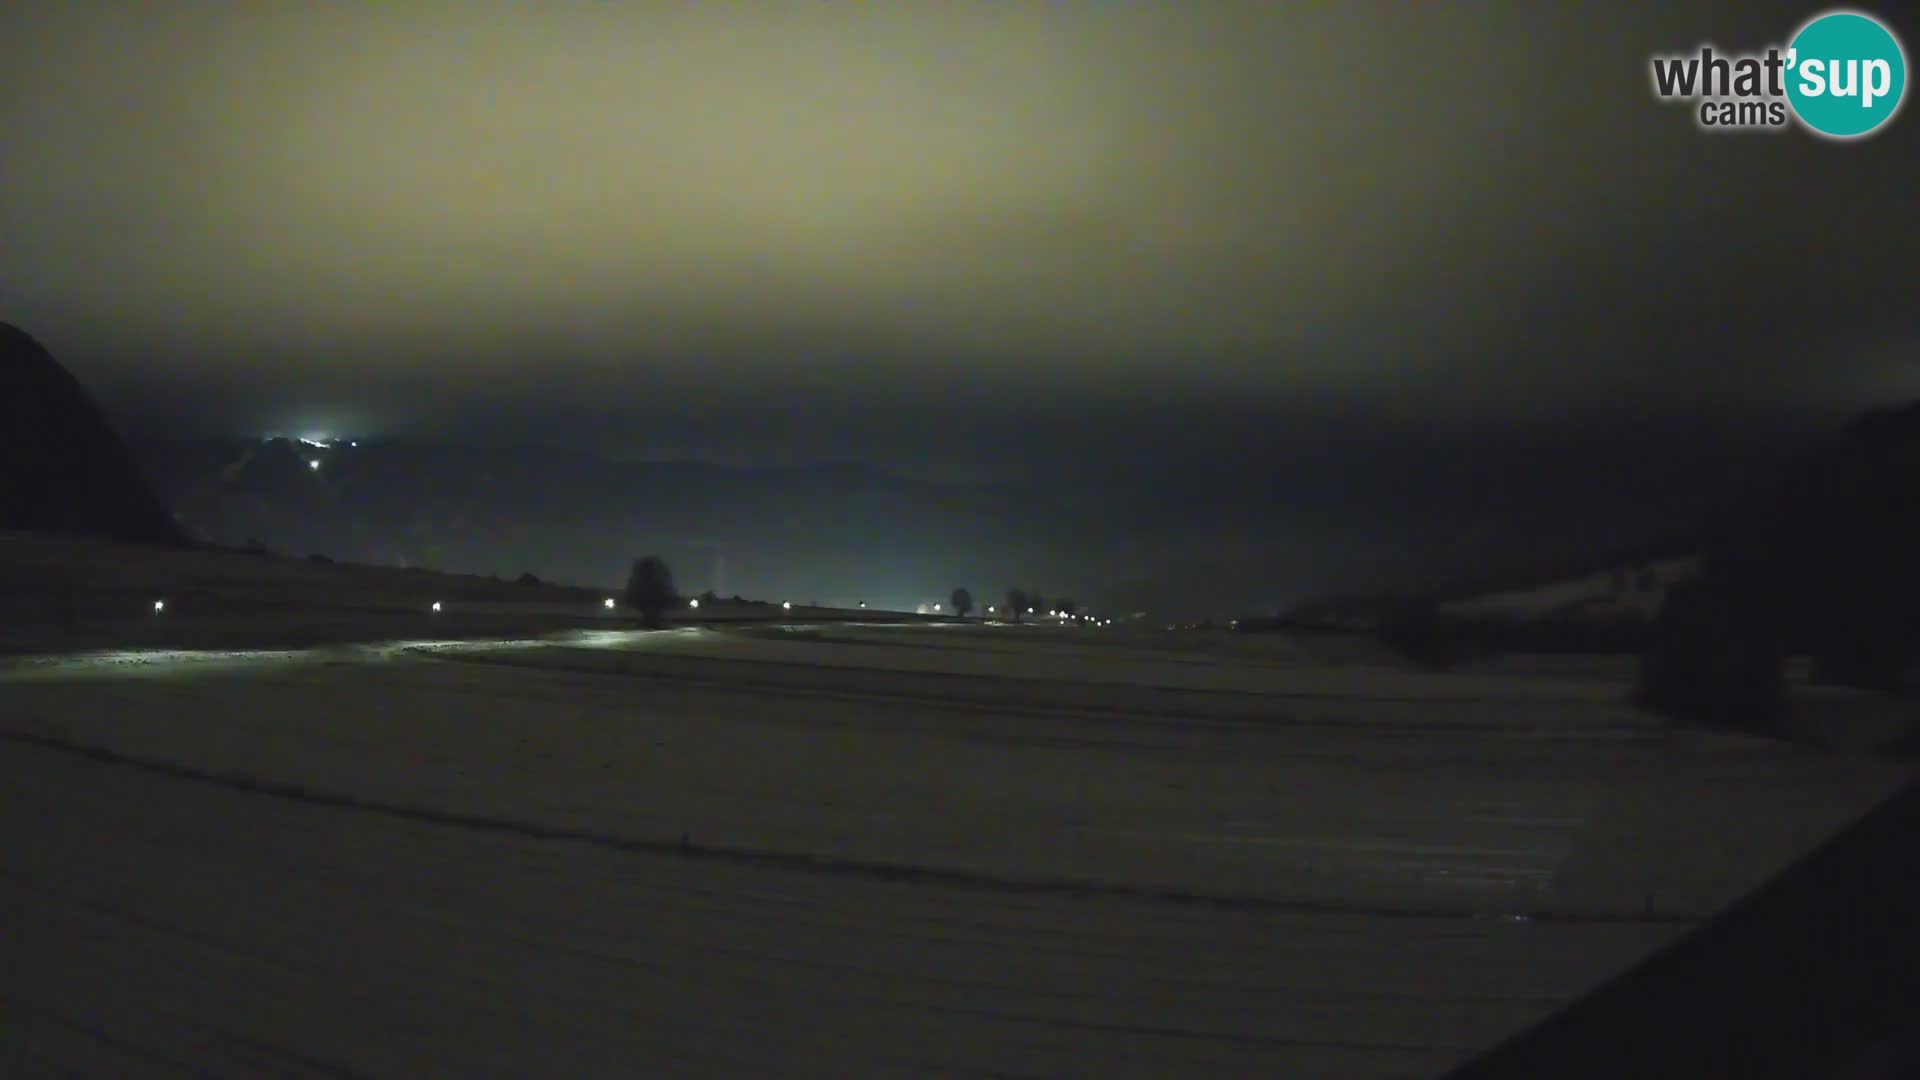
{"type": "Point", "coordinates": [314, 466]}
{"type": "Point", "coordinates": [989, 609]}
{"type": "Point", "coordinates": [786, 605]}
{"type": "Point", "coordinates": [159, 606]}
{"type": "Point", "coordinates": [1029, 611]}
{"type": "Point", "coordinates": [608, 603]}
{"type": "Point", "coordinates": [436, 607]}
{"type": "Point", "coordinates": [694, 603]}
{"type": "Point", "coordinates": [936, 607]}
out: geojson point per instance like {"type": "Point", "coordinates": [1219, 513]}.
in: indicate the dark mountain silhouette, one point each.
{"type": "Point", "coordinates": [1826, 562]}
{"type": "Point", "coordinates": [62, 467]}
{"type": "Point", "coordinates": [1835, 549]}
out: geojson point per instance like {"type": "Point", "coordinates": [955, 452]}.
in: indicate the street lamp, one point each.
{"type": "Point", "coordinates": [608, 603]}
{"type": "Point", "coordinates": [786, 605]}
{"type": "Point", "coordinates": [694, 603]}
{"type": "Point", "coordinates": [436, 607]}
{"type": "Point", "coordinates": [159, 606]}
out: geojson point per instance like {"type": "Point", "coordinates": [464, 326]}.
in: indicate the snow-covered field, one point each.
{"type": "Point", "coordinates": [848, 850]}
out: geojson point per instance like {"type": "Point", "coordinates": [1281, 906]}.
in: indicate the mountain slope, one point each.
{"type": "Point", "coordinates": [62, 467]}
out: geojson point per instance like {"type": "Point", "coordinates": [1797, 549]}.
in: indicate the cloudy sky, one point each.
{"type": "Point", "coordinates": [911, 232]}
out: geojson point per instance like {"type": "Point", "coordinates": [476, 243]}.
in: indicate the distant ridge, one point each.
{"type": "Point", "coordinates": [62, 467]}
{"type": "Point", "coordinates": [1837, 505]}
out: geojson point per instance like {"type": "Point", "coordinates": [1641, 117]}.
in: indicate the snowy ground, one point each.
{"type": "Point", "coordinates": [848, 850]}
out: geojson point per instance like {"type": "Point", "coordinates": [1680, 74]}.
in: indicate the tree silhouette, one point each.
{"type": "Point", "coordinates": [1017, 601]}
{"type": "Point", "coordinates": [650, 590]}
{"type": "Point", "coordinates": [962, 602]}
{"type": "Point", "coordinates": [1067, 607]}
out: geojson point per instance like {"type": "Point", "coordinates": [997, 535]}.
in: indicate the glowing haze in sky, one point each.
{"type": "Point", "coordinates": [852, 228]}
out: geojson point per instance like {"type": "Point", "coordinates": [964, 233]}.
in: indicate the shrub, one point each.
{"type": "Point", "coordinates": [650, 590]}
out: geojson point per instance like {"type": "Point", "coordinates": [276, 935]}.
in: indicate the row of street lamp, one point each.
{"type": "Point", "coordinates": [160, 607]}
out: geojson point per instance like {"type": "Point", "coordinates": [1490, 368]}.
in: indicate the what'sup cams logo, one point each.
{"type": "Point", "coordinates": [1842, 75]}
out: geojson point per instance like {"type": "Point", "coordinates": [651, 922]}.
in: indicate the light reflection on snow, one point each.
{"type": "Point", "coordinates": [148, 661]}
{"type": "Point", "coordinates": [622, 639]}
{"type": "Point", "coordinates": [392, 648]}
{"type": "Point", "coordinates": [160, 662]}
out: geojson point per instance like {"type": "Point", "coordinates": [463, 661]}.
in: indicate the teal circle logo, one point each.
{"type": "Point", "coordinates": [1846, 74]}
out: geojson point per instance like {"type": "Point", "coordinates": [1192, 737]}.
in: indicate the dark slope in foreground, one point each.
{"type": "Point", "coordinates": [62, 467]}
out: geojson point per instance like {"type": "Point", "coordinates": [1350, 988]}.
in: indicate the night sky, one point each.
{"type": "Point", "coordinates": [970, 238]}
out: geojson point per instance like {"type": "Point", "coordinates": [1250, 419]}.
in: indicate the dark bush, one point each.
{"type": "Point", "coordinates": [1715, 660]}
{"type": "Point", "coordinates": [650, 590]}
{"type": "Point", "coordinates": [1418, 633]}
